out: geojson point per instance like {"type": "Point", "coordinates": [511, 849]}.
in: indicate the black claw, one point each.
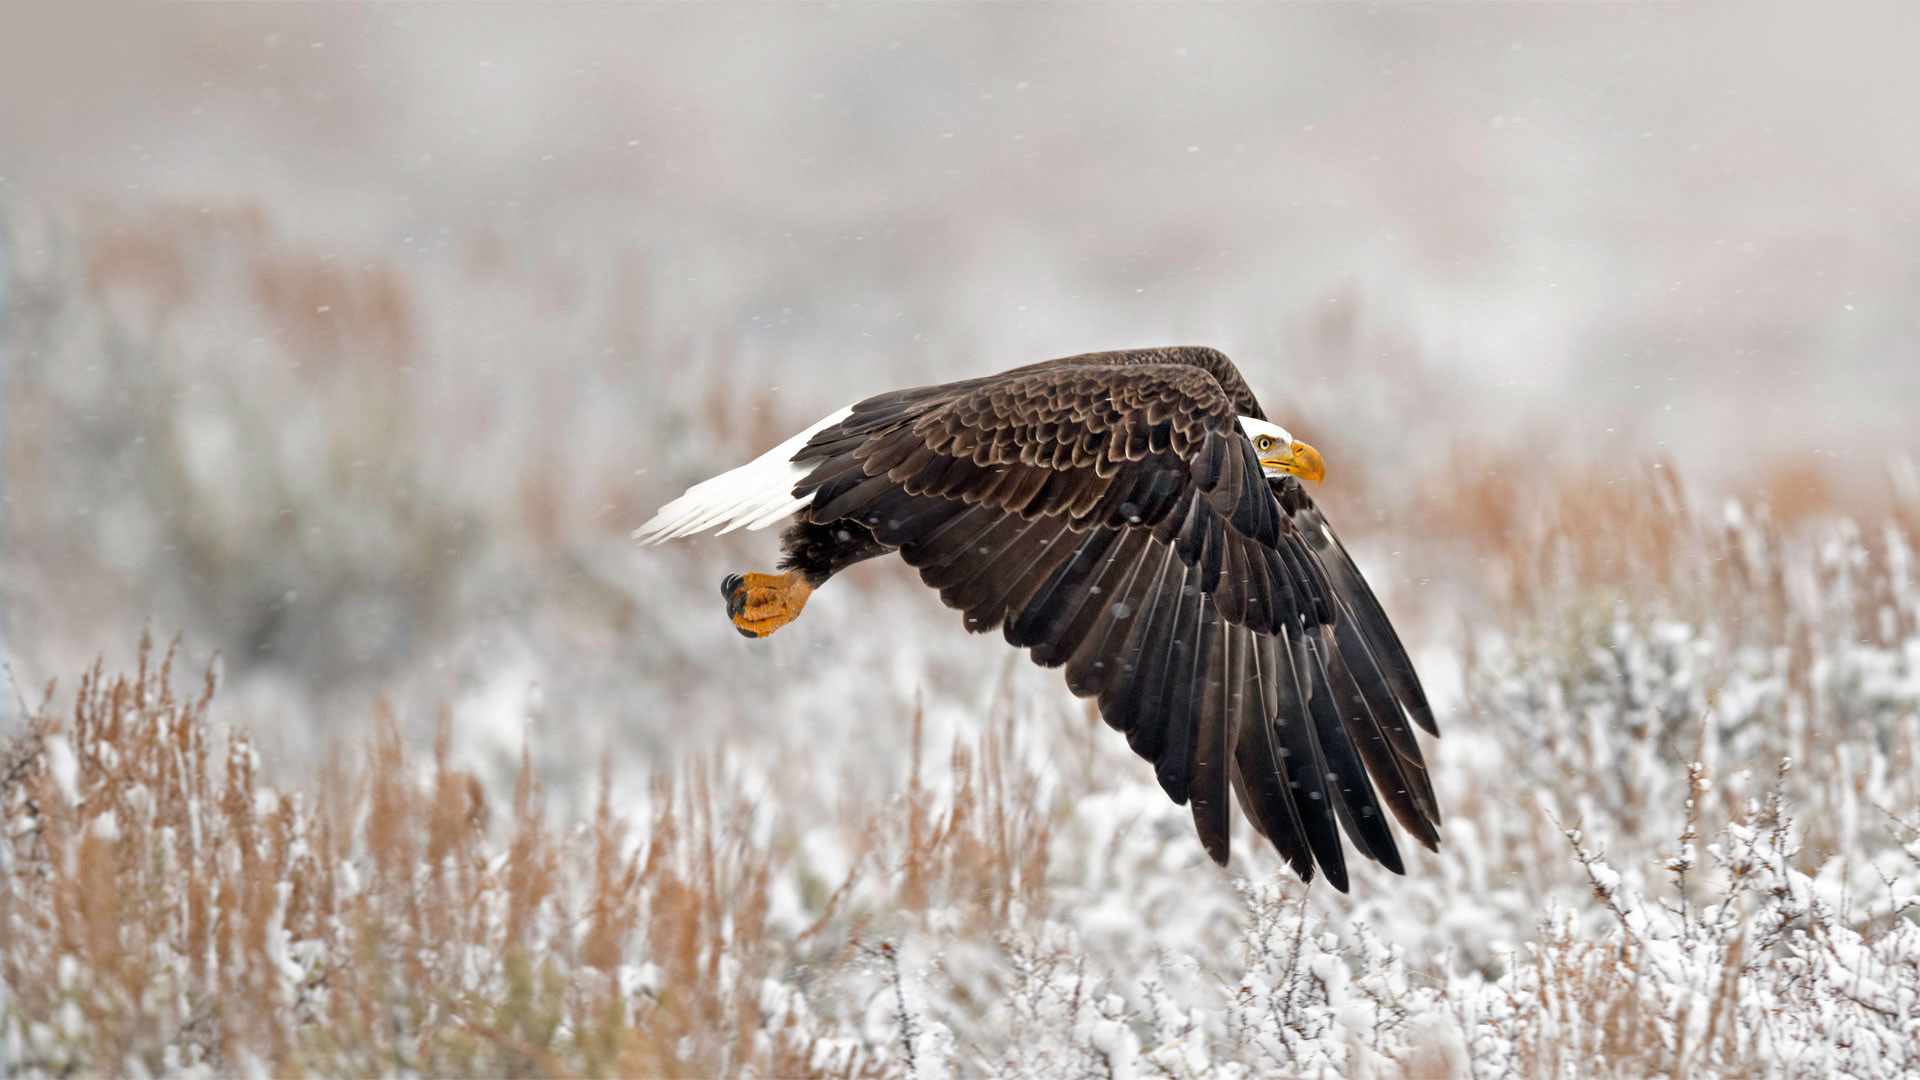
{"type": "Point", "coordinates": [748, 634]}
{"type": "Point", "coordinates": [733, 588]}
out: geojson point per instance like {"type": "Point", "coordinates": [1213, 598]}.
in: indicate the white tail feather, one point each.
{"type": "Point", "coordinates": [753, 496]}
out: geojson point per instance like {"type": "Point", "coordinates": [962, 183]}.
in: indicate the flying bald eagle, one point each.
{"type": "Point", "coordinates": [1133, 518]}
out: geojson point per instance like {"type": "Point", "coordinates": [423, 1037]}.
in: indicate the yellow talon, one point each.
{"type": "Point", "coordinates": [759, 604]}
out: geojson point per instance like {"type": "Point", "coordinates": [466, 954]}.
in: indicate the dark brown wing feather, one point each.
{"type": "Point", "coordinates": [1106, 512]}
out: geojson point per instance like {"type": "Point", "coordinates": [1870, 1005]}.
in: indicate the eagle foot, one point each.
{"type": "Point", "coordinates": [759, 604]}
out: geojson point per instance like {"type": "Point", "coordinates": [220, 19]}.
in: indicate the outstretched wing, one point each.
{"type": "Point", "coordinates": [1107, 513]}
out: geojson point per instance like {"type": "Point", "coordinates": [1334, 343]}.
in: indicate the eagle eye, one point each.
{"type": "Point", "coordinates": [1263, 444]}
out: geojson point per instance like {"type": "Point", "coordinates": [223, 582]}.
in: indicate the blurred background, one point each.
{"type": "Point", "coordinates": [350, 343]}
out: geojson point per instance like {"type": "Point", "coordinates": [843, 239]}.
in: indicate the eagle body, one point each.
{"type": "Point", "coordinates": [1133, 519]}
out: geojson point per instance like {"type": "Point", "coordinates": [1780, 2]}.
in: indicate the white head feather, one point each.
{"type": "Point", "coordinates": [1259, 429]}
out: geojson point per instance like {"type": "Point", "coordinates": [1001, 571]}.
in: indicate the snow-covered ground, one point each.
{"type": "Point", "coordinates": [350, 343]}
{"type": "Point", "coordinates": [1673, 846]}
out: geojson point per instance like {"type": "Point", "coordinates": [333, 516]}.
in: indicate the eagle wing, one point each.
{"type": "Point", "coordinates": [1107, 513]}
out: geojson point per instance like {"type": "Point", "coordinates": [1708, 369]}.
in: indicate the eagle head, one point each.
{"type": "Point", "coordinates": [1281, 454]}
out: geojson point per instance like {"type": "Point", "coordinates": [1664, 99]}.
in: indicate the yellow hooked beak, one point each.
{"type": "Point", "coordinates": [1301, 460]}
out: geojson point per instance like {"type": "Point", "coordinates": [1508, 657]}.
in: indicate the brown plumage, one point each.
{"type": "Point", "coordinates": [1109, 513]}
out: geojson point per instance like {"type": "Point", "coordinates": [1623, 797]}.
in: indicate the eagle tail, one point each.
{"type": "Point", "coordinates": [753, 496]}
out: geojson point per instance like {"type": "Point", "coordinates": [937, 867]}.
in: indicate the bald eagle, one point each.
{"type": "Point", "coordinates": [1134, 519]}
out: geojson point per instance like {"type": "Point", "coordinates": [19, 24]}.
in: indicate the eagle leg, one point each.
{"type": "Point", "coordinates": [759, 604]}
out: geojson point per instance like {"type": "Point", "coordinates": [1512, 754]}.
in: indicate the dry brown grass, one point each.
{"type": "Point", "coordinates": [1525, 534]}
{"type": "Point", "coordinates": [986, 849]}
{"type": "Point", "coordinates": [167, 908]}
{"type": "Point", "coordinates": [158, 887]}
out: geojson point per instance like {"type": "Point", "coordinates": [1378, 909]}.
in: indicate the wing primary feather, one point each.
{"type": "Point", "coordinates": [1210, 461]}
{"type": "Point", "coordinates": [1213, 735]}
{"type": "Point", "coordinates": [1092, 608]}
{"type": "Point", "coordinates": [1182, 528]}
{"type": "Point", "coordinates": [1233, 593]}
{"type": "Point", "coordinates": [1395, 665]}
{"type": "Point", "coordinates": [1257, 759]}
{"type": "Point", "coordinates": [1309, 586]}
{"type": "Point", "coordinates": [955, 557]}
{"type": "Point", "coordinates": [1255, 512]}
{"type": "Point", "coordinates": [1147, 665]}
{"type": "Point", "coordinates": [1401, 785]}
{"type": "Point", "coordinates": [1213, 550]}
{"type": "Point", "coordinates": [1286, 599]}
{"type": "Point", "coordinates": [996, 556]}
{"type": "Point", "coordinates": [1303, 766]}
{"type": "Point", "coordinates": [1334, 724]}
{"type": "Point", "coordinates": [1039, 623]}
{"type": "Point", "coordinates": [1183, 680]}
{"type": "Point", "coordinates": [1101, 661]}
{"type": "Point", "coordinates": [1240, 693]}
{"type": "Point", "coordinates": [1385, 741]}
{"type": "Point", "coordinates": [1122, 700]}
{"type": "Point", "coordinates": [1164, 489]}
{"type": "Point", "coordinates": [1014, 577]}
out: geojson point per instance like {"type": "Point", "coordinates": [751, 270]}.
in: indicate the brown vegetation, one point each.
{"type": "Point", "coordinates": [169, 909]}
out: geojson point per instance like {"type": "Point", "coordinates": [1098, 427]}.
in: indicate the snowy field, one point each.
{"type": "Point", "coordinates": [343, 348]}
